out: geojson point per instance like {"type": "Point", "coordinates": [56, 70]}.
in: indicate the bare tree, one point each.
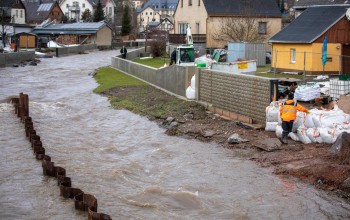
{"type": "Point", "coordinates": [5, 19]}
{"type": "Point", "coordinates": [240, 28]}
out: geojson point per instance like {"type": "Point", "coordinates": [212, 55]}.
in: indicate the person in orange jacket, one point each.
{"type": "Point", "coordinates": [288, 113]}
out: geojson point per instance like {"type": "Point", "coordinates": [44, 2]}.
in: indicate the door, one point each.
{"type": "Point", "coordinates": [346, 59]}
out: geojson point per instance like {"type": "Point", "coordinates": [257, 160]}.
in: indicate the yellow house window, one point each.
{"type": "Point", "coordinates": [292, 55]}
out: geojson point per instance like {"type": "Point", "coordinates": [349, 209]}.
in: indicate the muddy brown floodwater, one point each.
{"type": "Point", "coordinates": [127, 162]}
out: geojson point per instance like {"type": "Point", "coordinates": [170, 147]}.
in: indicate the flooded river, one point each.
{"type": "Point", "coordinates": [134, 170]}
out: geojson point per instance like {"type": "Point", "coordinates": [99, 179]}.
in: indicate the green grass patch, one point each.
{"type": "Point", "coordinates": [109, 78]}
{"type": "Point", "coordinates": [155, 62]}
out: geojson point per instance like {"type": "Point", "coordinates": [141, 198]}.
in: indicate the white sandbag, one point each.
{"type": "Point", "coordinates": [293, 136]}
{"type": "Point", "coordinates": [190, 93]}
{"type": "Point", "coordinates": [279, 131]}
{"type": "Point", "coordinates": [272, 112]}
{"type": "Point", "coordinates": [327, 135]}
{"type": "Point", "coordinates": [316, 120]}
{"type": "Point", "coordinates": [299, 121]}
{"type": "Point", "coordinates": [307, 92]}
{"type": "Point", "coordinates": [271, 126]}
{"type": "Point", "coordinates": [193, 82]}
{"type": "Point", "coordinates": [331, 118]}
{"type": "Point", "coordinates": [338, 129]}
{"type": "Point", "coordinates": [314, 135]}
{"type": "Point", "coordinates": [308, 121]}
{"type": "Point", "coordinates": [301, 131]}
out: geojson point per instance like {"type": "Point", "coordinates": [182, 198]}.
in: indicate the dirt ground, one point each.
{"type": "Point", "coordinates": [311, 163]}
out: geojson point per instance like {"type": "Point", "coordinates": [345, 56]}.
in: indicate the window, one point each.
{"type": "Point", "coordinates": [292, 55]}
{"type": "Point", "coordinates": [16, 13]}
{"type": "Point", "coordinates": [146, 13]}
{"type": "Point", "coordinates": [75, 4]}
{"type": "Point", "coordinates": [67, 5]}
{"type": "Point", "coordinates": [150, 13]}
{"type": "Point", "coordinates": [183, 28]}
{"type": "Point", "coordinates": [190, 2]}
{"type": "Point", "coordinates": [110, 10]}
{"type": "Point", "coordinates": [21, 13]}
{"type": "Point", "coordinates": [83, 5]}
{"type": "Point", "coordinates": [262, 28]}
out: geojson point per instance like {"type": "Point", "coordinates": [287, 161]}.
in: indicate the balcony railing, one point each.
{"type": "Point", "coordinates": [74, 8]}
{"type": "Point", "coordinates": [181, 38]}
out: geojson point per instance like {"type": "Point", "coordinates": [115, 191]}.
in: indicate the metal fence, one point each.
{"type": "Point", "coordinates": [310, 63]}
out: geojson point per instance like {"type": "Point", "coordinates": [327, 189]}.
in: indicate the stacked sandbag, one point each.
{"type": "Point", "coordinates": [319, 126]}
{"type": "Point", "coordinates": [307, 92]}
{"type": "Point", "coordinates": [272, 115]}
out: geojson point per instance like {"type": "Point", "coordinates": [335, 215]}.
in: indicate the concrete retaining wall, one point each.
{"type": "Point", "coordinates": [8, 59]}
{"type": "Point", "coordinates": [65, 51]}
{"type": "Point", "coordinates": [243, 95]}
{"type": "Point", "coordinates": [237, 96]}
{"type": "Point", "coordinates": [173, 79]}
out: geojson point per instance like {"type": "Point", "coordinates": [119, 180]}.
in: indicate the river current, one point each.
{"type": "Point", "coordinates": [126, 161]}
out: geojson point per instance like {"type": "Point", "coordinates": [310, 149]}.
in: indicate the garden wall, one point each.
{"type": "Point", "coordinates": [7, 59]}
{"type": "Point", "coordinates": [174, 79]}
{"type": "Point", "coordinates": [65, 51]}
{"type": "Point", "coordinates": [237, 96]}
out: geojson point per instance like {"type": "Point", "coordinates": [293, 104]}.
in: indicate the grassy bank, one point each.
{"type": "Point", "coordinates": [126, 92]}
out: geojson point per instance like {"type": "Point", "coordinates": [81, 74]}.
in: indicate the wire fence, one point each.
{"type": "Point", "coordinates": [310, 63]}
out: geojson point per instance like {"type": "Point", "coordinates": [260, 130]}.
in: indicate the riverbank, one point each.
{"type": "Point", "coordinates": [311, 163]}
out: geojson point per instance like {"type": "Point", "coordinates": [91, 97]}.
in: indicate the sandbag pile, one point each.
{"type": "Point", "coordinates": [321, 126]}
{"type": "Point", "coordinates": [307, 92]}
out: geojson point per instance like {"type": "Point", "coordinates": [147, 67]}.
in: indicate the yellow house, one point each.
{"type": "Point", "coordinates": [299, 46]}
{"type": "Point", "coordinates": [207, 17]}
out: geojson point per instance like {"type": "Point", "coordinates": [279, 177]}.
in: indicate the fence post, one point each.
{"type": "Point", "coordinates": [274, 72]}
{"type": "Point", "coordinates": [304, 67]}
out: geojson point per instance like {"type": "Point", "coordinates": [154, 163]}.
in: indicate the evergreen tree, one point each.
{"type": "Point", "coordinates": [86, 16]}
{"type": "Point", "coordinates": [99, 14]}
{"type": "Point", "coordinates": [64, 19]}
{"type": "Point", "coordinates": [126, 25]}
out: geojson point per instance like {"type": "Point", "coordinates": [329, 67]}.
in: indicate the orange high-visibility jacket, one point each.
{"type": "Point", "coordinates": [288, 110]}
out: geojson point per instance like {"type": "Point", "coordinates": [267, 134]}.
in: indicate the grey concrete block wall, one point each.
{"type": "Point", "coordinates": [242, 94]}
{"type": "Point", "coordinates": [174, 79]}
{"type": "Point", "coordinates": [65, 51]}
{"type": "Point", "coordinates": [7, 59]}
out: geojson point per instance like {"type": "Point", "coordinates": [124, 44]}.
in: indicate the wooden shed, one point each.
{"type": "Point", "coordinates": [25, 40]}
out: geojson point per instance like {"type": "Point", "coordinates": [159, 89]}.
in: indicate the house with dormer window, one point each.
{"type": "Point", "coordinates": [73, 9]}
{"type": "Point", "coordinates": [208, 17]}
{"type": "Point", "coordinates": [43, 10]}
{"type": "Point", "coordinates": [155, 12]}
{"type": "Point", "coordinates": [13, 19]}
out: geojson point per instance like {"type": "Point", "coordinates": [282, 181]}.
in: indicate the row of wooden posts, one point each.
{"type": "Point", "coordinates": [82, 201]}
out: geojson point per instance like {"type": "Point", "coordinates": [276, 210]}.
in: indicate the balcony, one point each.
{"type": "Point", "coordinates": [181, 38]}
{"type": "Point", "coordinates": [74, 8]}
